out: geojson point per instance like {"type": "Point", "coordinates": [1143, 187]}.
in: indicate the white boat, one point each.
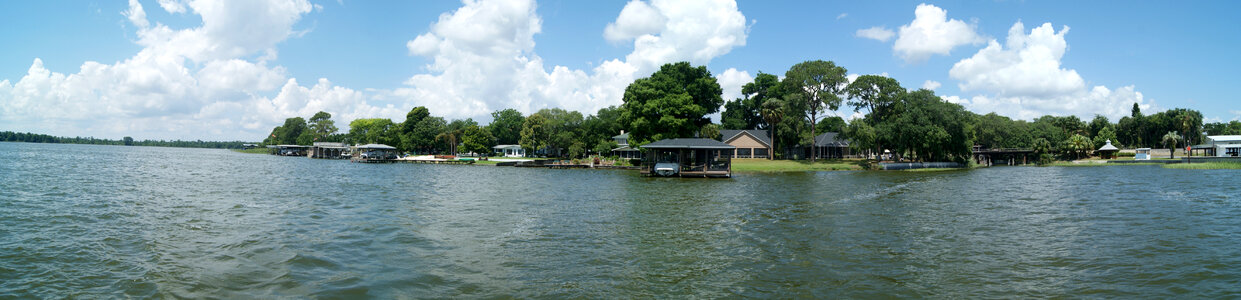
{"type": "Point", "coordinates": [666, 169]}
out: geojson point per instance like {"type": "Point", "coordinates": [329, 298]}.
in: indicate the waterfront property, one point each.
{"type": "Point", "coordinates": [750, 143]}
{"type": "Point", "coordinates": [1225, 145]}
{"type": "Point", "coordinates": [688, 158]}
{"type": "Point", "coordinates": [1142, 154]}
{"type": "Point", "coordinates": [1003, 156]}
{"type": "Point", "coordinates": [328, 150]}
{"type": "Point", "coordinates": [623, 150]}
{"type": "Point", "coordinates": [509, 150]}
{"type": "Point", "coordinates": [831, 145]}
{"type": "Point", "coordinates": [374, 153]}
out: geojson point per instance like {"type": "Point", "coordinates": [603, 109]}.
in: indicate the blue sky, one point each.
{"type": "Point", "coordinates": [211, 70]}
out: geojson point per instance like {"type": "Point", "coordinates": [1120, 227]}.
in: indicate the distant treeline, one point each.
{"type": "Point", "coordinates": [9, 136]}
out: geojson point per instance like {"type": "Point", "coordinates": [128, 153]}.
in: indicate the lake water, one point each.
{"type": "Point", "coordinates": [112, 222]}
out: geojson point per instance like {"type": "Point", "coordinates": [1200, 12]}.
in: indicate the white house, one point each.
{"type": "Point", "coordinates": [510, 150]}
{"type": "Point", "coordinates": [1226, 145]}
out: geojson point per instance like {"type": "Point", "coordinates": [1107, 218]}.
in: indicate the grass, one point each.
{"type": "Point", "coordinates": [767, 166]}
{"type": "Point", "coordinates": [252, 151]}
{"type": "Point", "coordinates": [1206, 166]}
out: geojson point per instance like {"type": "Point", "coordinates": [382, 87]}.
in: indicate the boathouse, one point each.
{"type": "Point", "coordinates": [374, 153]}
{"type": "Point", "coordinates": [287, 150]}
{"type": "Point", "coordinates": [328, 150]}
{"type": "Point", "coordinates": [509, 150]}
{"type": "Point", "coordinates": [750, 143]}
{"type": "Point", "coordinates": [688, 158]}
{"type": "Point", "coordinates": [1225, 145]}
{"type": "Point", "coordinates": [623, 150]}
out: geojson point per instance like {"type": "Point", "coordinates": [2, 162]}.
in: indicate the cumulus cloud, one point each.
{"type": "Point", "coordinates": [200, 82]}
{"type": "Point", "coordinates": [931, 85]}
{"type": "Point", "coordinates": [842, 16]}
{"type": "Point", "coordinates": [930, 33]}
{"type": "Point", "coordinates": [878, 33]}
{"type": "Point", "coordinates": [731, 82]}
{"type": "Point", "coordinates": [483, 59]}
{"type": "Point", "coordinates": [1024, 79]}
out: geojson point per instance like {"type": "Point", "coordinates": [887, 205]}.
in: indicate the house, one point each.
{"type": "Point", "coordinates": [623, 150]}
{"type": "Point", "coordinates": [1142, 154]}
{"type": "Point", "coordinates": [328, 150]}
{"type": "Point", "coordinates": [509, 150]}
{"type": "Point", "coordinates": [1225, 145]}
{"type": "Point", "coordinates": [688, 158]}
{"type": "Point", "coordinates": [750, 143]}
{"type": "Point", "coordinates": [831, 145]}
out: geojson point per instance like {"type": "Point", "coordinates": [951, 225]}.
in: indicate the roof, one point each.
{"type": "Point", "coordinates": [688, 144]}
{"type": "Point", "coordinates": [329, 144]}
{"type": "Point", "coordinates": [291, 146]}
{"type": "Point", "coordinates": [376, 146]}
{"type": "Point", "coordinates": [624, 148]}
{"type": "Point", "coordinates": [1225, 138]}
{"type": "Point", "coordinates": [507, 147]}
{"type": "Point", "coordinates": [1108, 147]}
{"type": "Point", "coordinates": [830, 139]}
{"type": "Point", "coordinates": [732, 134]}
{"type": "Point", "coordinates": [621, 136]}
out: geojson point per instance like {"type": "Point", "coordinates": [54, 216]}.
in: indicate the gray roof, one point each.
{"type": "Point", "coordinates": [291, 146]}
{"type": "Point", "coordinates": [760, 135]}
{"type": "Point", "coordinates": [376, 146]}
{"type": "Point", "coordinates": [621, 136]}
{"type": "Point", "coordinates": [830, 139]}
{"type": "Point", "coordinates": [688, 144]}
{"type": "Point", "coordinates": [1108, 147]}
{"type": "Point", "coordinates": [507, 147]}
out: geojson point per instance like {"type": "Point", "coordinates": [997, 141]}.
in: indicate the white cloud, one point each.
{"type": "Point", "coordinates": [159, 94]}
{"type": "Point", "coordinates": [842, 16]}
{"type": "Point", "coordinates": [878, 33]}
{"type": "Point", "coordinates": [172, 6]}
{"type": "Point", "coordinates": [931, 85]}
{"type": "Point", "coordinates": [483, 56]}
{"type": "Point", "coordinates": [930, 33]}
{"type": "Point", "coordinates": [1024, 79]}
{"type": "Point", "coordinates": [731, 82]}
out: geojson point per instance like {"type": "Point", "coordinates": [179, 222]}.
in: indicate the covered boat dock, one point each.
{"type": "Point", "coordinates": [688, 158]}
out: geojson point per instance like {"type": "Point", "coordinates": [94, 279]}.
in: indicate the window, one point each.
{"type": "Point", "coordinates": [760, 152]}
{"type": "Point", "coordinates": [743, 152]}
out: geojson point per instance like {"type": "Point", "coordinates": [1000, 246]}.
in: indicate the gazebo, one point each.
{"type": "Point", "coordinates": [1107, 151]}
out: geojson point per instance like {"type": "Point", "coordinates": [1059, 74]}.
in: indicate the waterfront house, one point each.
{"type": "Point", "coordinates": [328, 150]}
{"type": "Point", "coordinates": [1142, 154]}
{"type": "Point", "coordinates": [623, 150]}
{"type": "Point", "coordinates": [509, 150]}
{"type": "Point", "coordinates": [1225, 145]}
{"type": "Point", "coordinates": [688, 158]}
{"type": "Point", "coordinates": [750, 143]}
{"type": "Point", "coordinates": [831, 145]}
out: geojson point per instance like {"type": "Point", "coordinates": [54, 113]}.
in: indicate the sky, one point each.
{"type": "Point", "coordinates": [234, 69]}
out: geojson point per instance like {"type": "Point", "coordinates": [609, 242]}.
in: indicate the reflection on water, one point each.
{"type": "Point", "coordinates": [108, 221]}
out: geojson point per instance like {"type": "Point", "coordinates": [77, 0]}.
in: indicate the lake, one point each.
{"type": "Point", "coordinates": [113, 221]}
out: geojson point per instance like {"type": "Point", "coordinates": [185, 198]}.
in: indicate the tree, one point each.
{"type": "Point", "coordinates": [535, 133]}
{"type": "Point", "coordinates": [743, 113]}
{"type": "Point", "coordinates": [875, 94]}
{"type": "Point", "coordinates": [1097, 124]}
{"type": "Point", "coordinates": [861, 135]}
{"type": "Point", "coordinates": [1106, 134]}
{"type": "Point", "coordinates": [710, 131]}
{"type": "Point", "coordinates": [506, 126]}
{"type": "Point", "coordinates": [322, 126]}
{"type": "Point", "coordinates": [557, 128]}
{"type": "Point", "coordinates": [1169, 140]}
{"type": "Point", "coordinates": [773, 113]}
{"type": "Point", "coordinates": [374, 131]}
{"type": "Point", "coordinates": [674, 102]}
{"type": "Point", "coordinates": [601, 126]}
{"type": "Point", "coordinates": [819, 83]}
{"type": "Point", "coordinates": [129, 141]}
{"type": "Point", "coordinates": [477, 140]}
{"type": "Point", "coordinates": [1078, 144]}
{"type": "Point", "coordinates": [928, 128]}
{"type": "Point", "coordinates": [290, 131]}
{"type": "Point", "coordinates": [1042, 147]}
{"type": "Point", "coordinates": [577, 150]}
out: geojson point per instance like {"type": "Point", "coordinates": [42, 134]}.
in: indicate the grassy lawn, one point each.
{"type": "Point", "coordinates": [252, 151]}
{"type": "Point", "coordinates": [1206, 166]}
{"type": "Point", "coordinates": [763, 165]}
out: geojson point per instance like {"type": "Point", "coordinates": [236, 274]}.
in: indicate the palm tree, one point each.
{"type": "Point", "coordinates": [773, 113]}
{"type": "Point", "coordinates": [1171, 138]}
{"type": "Point", "coordinates": [1078, 144]}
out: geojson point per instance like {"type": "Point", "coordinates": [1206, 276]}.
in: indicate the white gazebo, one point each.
{"type": "Point", "coordinates": [1107, 150]}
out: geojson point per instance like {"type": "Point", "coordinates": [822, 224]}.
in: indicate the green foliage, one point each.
{"type": "Point", "coordinates": [322, 127]}
{"type": "Point", "coordinates": [288, 133]}
{"type": "Point", "coordinates": [605, 147]}
{"type": "Point", "coordinates": [710, 131]}
{"type": "Point", "coordinates": [1104, 135]}
{"type": "Point", "coordinates": [861, 136]}
{"type": "Point", "coordinates": [506, 126]}
{"type": "Point", "coordinates": [129, 141]}
{"type": "Point", "coordinates": [577, 150]}
{"type": "Point", "coordinates": [773, 111]}
{"type": "Point", "coordinates": [674, 102]}
{"type": "Point", "coordinates": [478, 140]}
{"type": "Point", "coordinates": [374, 131]}
{"type": "Point", "coordinates": [928, 128]}
{"type": "Point", "coordinates": [551, 128]}
{"type": "Point", "coordinates": [535, 133]}
{"type": "Point", "coordinates": [601, 126]}
{"type": "Point", "coordinates": [1169, 140]}
{"type": "Point", "coordinates": [818, 84]}
{"type": "Point", "coordinates": [1077, 145]}
{"type": "Point", "coordinates": [745, 113]}
{"type": "Point", "coordinates": [996, 131]}
{"type": "Point", "coordinates": [1220, 128]}
{"type": "Point", "coordinates": [874, 93]}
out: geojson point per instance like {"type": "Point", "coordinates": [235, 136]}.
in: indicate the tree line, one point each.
{"type": "Point", "coordinates": [9, 136]}
{"type": "Point", "coordinates": [676, 100]}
